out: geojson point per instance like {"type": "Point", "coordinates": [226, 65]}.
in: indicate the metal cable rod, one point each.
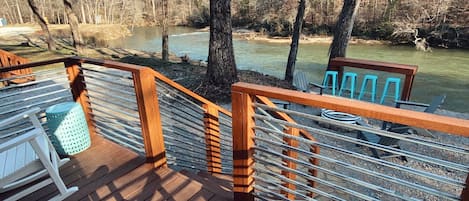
{"type": "Point", "coordinates": [137, 135]}
{"type": "Point", "coordinates": [385, 148]}
{"type": "Point", "coordinates": [135, 116]}
{"type": "Point", "coordinates": [358, 169]}
{"type": "Point", "coordinates": [117, 135]}
{"type": "Point", "coordinates": [316, 179]}
{"type": "Point", "coordinates": [129, 85]}
{"type": "Point", "coordinates": [125, 144]}
{"type": "Point", "coordinates": [336, 174]}
{"type": "Point", "coordinates": [181, 110]}
{"type": "Point", "coordinates": [269, 192]}
{"type": "Point", "coordinates": [115, 73]}
{"type": "Point", "coordinates": [377, 161]}
{"type": "Point", "coordinates": [27, 91]}
{"type": "Point", "coordinates": [169, 100]}
{"type": "Point", "coordinates": [29, 83]}
{"type": "Point", "coordinates": [34, 104]}
{"type": "Point", "coordinates": [37, 74]}
{"type": "Point", "coordinates": [184, 110]}
{"type": "Point", "coordinates": [112, 116]}
{"type": "Point", "coordinates": [177, 93]}
{"type": "Point", "coordinates": [182, 154]}
{"type": "Point", "coordinates": [183, 122]}
{"type": "Point", "coordinates": [105, 75]}
{"type": "Point", "coordinates": [179, 157]}
{"type": "Point", "coordinates": [114, 121]}
{"type": "Point", "coordinates": [18, 100]}
{"type": "Point", "coordinates": [364, 128]}
{"type": "Point", "coordinates": [199, 132]}
{"type": "Point", "coordinates": [282, 178]}
{"type": "Point", "coordinates": [130, 105]}
{"type": "Point", "coordinates": [101, 86]}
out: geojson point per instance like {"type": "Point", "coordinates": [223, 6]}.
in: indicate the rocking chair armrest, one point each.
{"type": "Point", "coordinates": [7, 144]}
{"type": "Point", "coordinates": [19, 116]}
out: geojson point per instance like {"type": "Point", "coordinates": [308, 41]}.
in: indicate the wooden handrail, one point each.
{"type": "Point", "coordinates": [338, 63]}
{"type": "Point", "coordinates": [365, 109]}
{"type": "Point", "coordinates": [190, 93]}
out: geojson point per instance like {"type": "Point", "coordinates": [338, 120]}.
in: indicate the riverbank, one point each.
{"type": "Point", "coordinates": [251, 35]}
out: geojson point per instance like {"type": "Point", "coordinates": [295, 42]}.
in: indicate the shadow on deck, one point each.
{"type": "Point", "coordinates": [107, 171]}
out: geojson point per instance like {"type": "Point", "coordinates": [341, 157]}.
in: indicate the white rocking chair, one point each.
{"type": "Point", "coordinates": [27, 157]}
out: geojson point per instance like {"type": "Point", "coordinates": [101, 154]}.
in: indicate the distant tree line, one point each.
{"type": "Point", "coordinates": [441, 22]}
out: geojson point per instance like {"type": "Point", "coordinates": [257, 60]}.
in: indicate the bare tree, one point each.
{"type": "Point", "coordinates": [343, 29]}
{"type": "Point", "coordinates": [221, 70]}
{"type": "Point", "coordinates": [50, 41]}
{"type": "Point", "coordinates": [165, 52]}
{"type": "Point", "coordinates": [20, 16]}
{"type": "Point", "coordinates": [73, 22]}
{"type": "Point", "coordinates": [294, 43]}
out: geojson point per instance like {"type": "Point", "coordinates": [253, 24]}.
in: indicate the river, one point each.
{"type": "Point", "coordinates": [442, 71]}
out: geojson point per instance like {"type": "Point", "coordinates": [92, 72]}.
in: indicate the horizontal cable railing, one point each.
{"type": "Point", "coordinates": [50, 86]}
{"type": "Point", "coordinates": [355, 161]}
{"type": "Point", "coordinates": [130, 105]}
{"type": "Point", "coordinates": [197, 135]}
{"type": "Point", "coordinates": [112, 99]}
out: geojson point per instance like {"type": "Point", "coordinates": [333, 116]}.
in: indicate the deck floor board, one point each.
{"type": "Point", "coordinates": [107, 171]}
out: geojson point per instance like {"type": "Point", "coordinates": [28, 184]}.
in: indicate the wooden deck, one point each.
{"type": "Point", "coordinates": [107, 171]}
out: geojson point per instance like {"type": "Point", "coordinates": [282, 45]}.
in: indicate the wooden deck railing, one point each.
{"type": "Point", "coordinates": [338, 64]}
{"type": "Point", "coordinates": [245, 130]}
{"type": "Point", "coordinates": [8, 59]}
{"type": "Point", "coordinates": [146, 92]}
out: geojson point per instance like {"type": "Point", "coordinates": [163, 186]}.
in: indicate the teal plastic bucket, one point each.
{"type": "Point", "coordinates": [68, 130]}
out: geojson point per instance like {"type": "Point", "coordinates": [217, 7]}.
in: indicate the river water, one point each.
{"type": "Point", "coordinates": [440, 72]}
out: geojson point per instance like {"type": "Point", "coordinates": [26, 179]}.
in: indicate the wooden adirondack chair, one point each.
{"type": "Point", "coordinates": [396, 128]}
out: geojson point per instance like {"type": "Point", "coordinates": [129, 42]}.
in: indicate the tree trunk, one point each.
{"type": "Point", "coordinates": [153, 9]}
{"type": "Point", "coordinates": [294, 43]}
{"type": "Point", "coordinates": [73, 22]}
{"type": "Point", "coordinates": [83, 16]}
{"type": "Point", "coordinates": [20, 16]}
{"type": "Point", "coordinates": [221, 70]}
{"type": "Point", "coordinates": [389, 10]}
{"type": "Point", "coordinates": [343, 29]}
{"type": "Point", "coordinates": [165, 52]}
{"type": "Point", "coordinates": [50, 41]}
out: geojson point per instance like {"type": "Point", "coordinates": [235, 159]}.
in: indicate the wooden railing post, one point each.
{"type": "Point", "coordinates": [465, 191]}
{"type": "Point", "coordinates": [212, 139]}
{"type": "Point", "coordinates": [79, 92]}
{"type": "Point", "coordinates": [313, 171]}
{"type": "Point", "coordinates": [288, 163]}
{"type": "Point", "coordinates": [243, 146]}
{"type": "Point", "coordinates": [148, 108]}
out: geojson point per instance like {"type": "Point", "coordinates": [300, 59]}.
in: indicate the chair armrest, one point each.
{"type": "Point", "coordinates": [321, 87]}
{"type": "Point", "coordinates": [400, 102]}
{"type": "Point", "coordinates": [19, 116]}
{"type": "Point", "coordinates": [7, 144]}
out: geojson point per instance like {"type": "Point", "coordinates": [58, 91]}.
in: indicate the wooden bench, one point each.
{"type": "Point", "coordinates": [8, 59]}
